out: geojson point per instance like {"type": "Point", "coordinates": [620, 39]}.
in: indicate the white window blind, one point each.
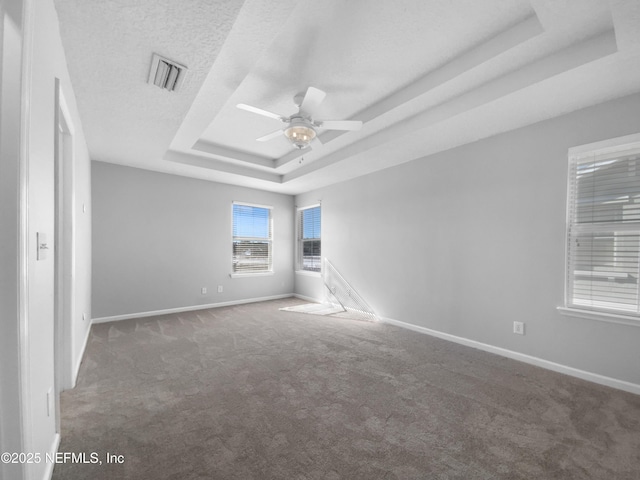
{"type": "Point", "coordinates": [603, 240]}
{"type": "Point", "coordinates": [309, 239]}
{"type": "Point", "coordinates": [252, 238]}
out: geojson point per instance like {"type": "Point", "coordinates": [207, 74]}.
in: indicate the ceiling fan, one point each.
{"type": "Point", "coordinates": [301, 128]}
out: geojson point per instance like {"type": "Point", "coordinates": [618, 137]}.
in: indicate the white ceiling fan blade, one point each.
{"type": "Point", "coordinates": [341, 124]}
{"type": "Point", "coordinates": [312, 99]}
{"type": "Point", "coordinates": [260, 111]}
{"type": "Point", "coordinates": [315, 143]}
{"type": "Point", "coordinates": [269, 136]}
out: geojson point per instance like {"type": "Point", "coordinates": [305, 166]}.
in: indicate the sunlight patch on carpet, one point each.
{"type": "Point", "coordinates": [328, 309]}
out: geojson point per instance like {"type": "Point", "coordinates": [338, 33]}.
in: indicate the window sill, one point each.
{"type": "Point", "coordinates": [251, 274]}
{"type": "Point", "coordinates": [307, 273]}
{"type": "Point", "coordinates": [600, 316]}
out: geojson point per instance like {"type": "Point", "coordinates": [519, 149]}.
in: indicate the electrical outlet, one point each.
{"type": "Point", "coordinates": [220, 289]}
{"type": "Point", "coordinates": [203, 290]}
{"type": "Point", "coordinates": [518, 327]}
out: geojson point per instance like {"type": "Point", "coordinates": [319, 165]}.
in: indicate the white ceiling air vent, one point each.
{"type": "Point", "coordinates": [166, 73]}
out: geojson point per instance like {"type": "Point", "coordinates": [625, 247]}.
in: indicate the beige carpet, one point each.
{"type": "Point", "coordinates": [252, 392]}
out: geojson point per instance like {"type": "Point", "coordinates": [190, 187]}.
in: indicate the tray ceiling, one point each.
{"type": "Point", "coordinates": [423, 75]}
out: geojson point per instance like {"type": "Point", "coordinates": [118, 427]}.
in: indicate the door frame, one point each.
{"type": "Point", "coordinates": [65, 226]}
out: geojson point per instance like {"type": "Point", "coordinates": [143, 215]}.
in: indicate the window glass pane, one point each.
{"type": "Point", "coordinates": [249, 221]}
{"type": "Point", "coordinates": [605, 270]}
{"type": "Point", "coordinates": [311, 259]}
{"type": "Point", "coordinates": [607, 191]}
{"type": "Point", "coordinates": [251, 256]}
{"type": "Point", "coordinates": [311, 223]}
{"type": "Point", "coordinates": [309, 239]}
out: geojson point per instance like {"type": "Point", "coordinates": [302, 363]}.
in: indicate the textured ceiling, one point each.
{"type": "Point", "coordinates": [423, 76]}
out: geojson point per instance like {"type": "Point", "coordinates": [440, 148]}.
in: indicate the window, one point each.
{"type": "Point", "coordinates": [603, 222]}
{"type": "Point", "coordinates": [309, 227]}
{"type": "Point", "coordinates": [252, 238]}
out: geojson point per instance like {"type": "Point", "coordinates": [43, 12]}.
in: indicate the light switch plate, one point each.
{"type": "Point", "coordinates": [42, 247]}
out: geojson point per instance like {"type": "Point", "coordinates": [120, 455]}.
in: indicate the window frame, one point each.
{"type": "Point", "coordinates": [299, 250]}
{"type": "Point", "coordinates": [598, 151]}
{"type": "Point", "coordinates": [269, 240]}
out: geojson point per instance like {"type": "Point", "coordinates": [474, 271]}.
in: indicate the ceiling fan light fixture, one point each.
{"type": "Point", "coordinates": [300, 135]}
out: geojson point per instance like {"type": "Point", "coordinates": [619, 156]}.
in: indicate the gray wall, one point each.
{"type": "Point", "coordinates": [158, 239]}
{"type": "Point", "coordinates": [469, 240]}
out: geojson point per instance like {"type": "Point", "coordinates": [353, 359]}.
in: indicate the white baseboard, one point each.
{"type": "Point", "coordinates": [48, 473]}
{"type": "Point", "coordinates": [539, 362]}
{"type": "Point", "coordinates": [307, 299]}
{"type": "Point", "coordinates": [188, 309]}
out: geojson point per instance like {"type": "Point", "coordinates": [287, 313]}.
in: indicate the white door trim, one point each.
{"type": "Point", "coordinates": [24, 233]}
{"type": "Point", "coordinates": [65, 235]}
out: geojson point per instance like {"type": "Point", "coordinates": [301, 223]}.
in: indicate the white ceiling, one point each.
{"type": "Point", "coordinates": [423, 75]}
